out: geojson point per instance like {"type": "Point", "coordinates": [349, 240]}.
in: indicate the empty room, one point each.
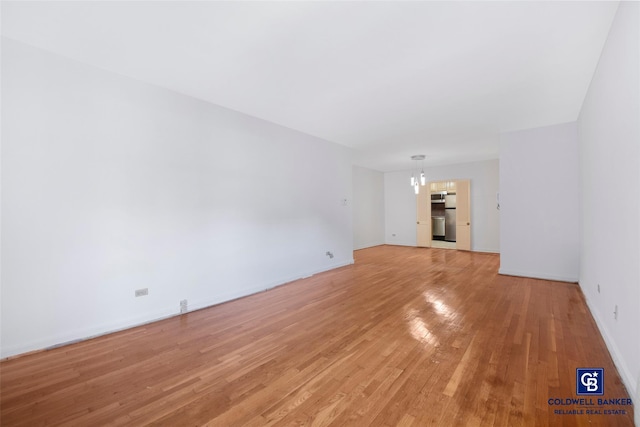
{"type": "Point", "coordinates": [371, 213]}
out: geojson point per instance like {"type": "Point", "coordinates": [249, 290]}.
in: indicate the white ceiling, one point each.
{"type": "Point", "coordinates": [390, 79]}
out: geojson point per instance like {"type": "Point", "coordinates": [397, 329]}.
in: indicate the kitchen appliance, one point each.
{"type": "Point", "coordinates": [438, 197]}
{"type": "Point", "coordinates": [437, 216]}
{"type": "Point", "coordinates": [450, 217]}
{"type": "Point", "coordinates": [438, 227]}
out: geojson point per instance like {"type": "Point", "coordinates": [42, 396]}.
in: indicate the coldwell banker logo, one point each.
{"type": "Point", "coordinates": [590, 381]}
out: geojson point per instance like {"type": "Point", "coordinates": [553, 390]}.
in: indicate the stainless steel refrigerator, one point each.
{"type": "Point", "coordinates": [450, 218]}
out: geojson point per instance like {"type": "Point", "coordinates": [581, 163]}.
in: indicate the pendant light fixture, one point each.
{"type": "Point", "coordinates": [418, 180]}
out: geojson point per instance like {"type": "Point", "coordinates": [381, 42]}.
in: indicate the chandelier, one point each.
{"type": "Point", "coordinates": [418, 180]}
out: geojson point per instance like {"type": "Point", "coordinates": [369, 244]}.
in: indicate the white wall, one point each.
{"type": "Point", "coordinates": [539, 209]}
{"type": "Point", "coordinates": [368, 207]}
{"type": "Point", "coordinates": [400, 203]}
{"type": "Point", "coordinates": [399, 209]}
{"type": "Point", "coordinates": [609, 134]}
{"type": "Point", "coordinates": [110, 185]}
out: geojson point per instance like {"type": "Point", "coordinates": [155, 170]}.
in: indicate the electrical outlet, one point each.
{"type": "Point", "coordinates": [142, 292]}
{"type": "Point", "coordinates": [183, 306]}
{"type": "Point", "coordinates": [329, 254]}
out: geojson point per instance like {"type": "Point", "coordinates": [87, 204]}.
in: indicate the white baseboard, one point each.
{"type": "Point", "coordinates": [632, 385]}
{"type": "Point", "coordinates": [629, 382]}
{"type": "Point", "coordinates": [485, 251]}
{"type": "Point", "coordinates": [535, 275]}
{"type": "Point", "coordinates": [222, 298]}
{"type": "Point", "coordinates": [413, 245]}
{"type": "Point", "coordinates": [95, 331]}
{"type": "Point", "coordinates": [84, 334]}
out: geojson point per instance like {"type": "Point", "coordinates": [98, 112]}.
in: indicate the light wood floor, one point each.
{"type": "Point", "coordinates": [406, 336]}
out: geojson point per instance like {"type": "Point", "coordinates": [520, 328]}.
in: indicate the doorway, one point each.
{"type": "Point", "coordinates": [444, 215]}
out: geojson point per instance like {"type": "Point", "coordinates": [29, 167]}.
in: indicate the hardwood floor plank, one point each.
{"type": "Point", "coordinates": [404, 337]}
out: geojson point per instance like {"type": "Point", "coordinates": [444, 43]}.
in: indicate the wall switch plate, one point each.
{"type": "Point", "coordinates": [142, 292]}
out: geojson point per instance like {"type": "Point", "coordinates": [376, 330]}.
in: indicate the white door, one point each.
{"type": "Point", "coordinates": [423, 216]}
{"type": "Point", "coordinates": [463, 215]}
